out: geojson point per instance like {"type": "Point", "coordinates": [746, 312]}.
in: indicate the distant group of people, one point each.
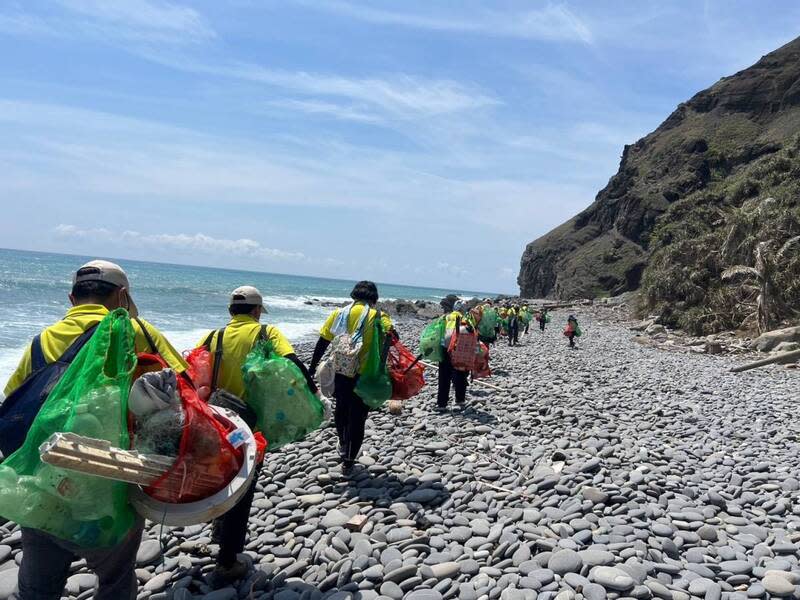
{"type": "Point", "coordinates": [99, 287]}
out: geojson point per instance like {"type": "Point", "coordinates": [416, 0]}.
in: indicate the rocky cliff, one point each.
{"type": "Point", "coordinates": [706, 142]}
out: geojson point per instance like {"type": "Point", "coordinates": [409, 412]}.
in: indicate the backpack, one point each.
{"type": "Point", "coordinates": [19, 410]}
{"type": "Point", "coordinates": [462, 349]}
{"type": "Point", "coordinates": [346, 347]}
{"type": "Point", "coordinates": [221, 397]}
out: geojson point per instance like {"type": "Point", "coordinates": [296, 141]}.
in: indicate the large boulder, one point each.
{"type": "Point", "coordinates": [770, 340]}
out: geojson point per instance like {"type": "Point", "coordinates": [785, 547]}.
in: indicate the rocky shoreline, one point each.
{"type": "Point", "coordinates": [609, 471]}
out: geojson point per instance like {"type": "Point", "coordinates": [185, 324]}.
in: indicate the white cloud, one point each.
{"type": "Point", "coordinates": [198, 242]}
{"type": "Point", "coordinates": [113, 21]}
{"type": "Point", "coordinates": [450, 269]}
{"type": "Point", "coordinates": [331, 109]}
{"type": "Point", "coordinates": [553, 22]}
{"type": "Point", "coordinates": [395, 96]}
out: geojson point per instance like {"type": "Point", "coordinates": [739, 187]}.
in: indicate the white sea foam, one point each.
{"type": "Point", "coordinates": [9, 359]}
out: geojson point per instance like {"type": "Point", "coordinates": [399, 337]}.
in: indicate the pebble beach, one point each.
{"type": "Point", "coordinates": [614, 470]}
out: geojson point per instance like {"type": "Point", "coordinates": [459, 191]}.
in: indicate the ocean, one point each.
{"type": "Point", "coordinates": [184, 302]}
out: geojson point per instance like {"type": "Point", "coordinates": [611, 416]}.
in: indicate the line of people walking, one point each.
{"type": "Point", "coordinates": [348, 336]}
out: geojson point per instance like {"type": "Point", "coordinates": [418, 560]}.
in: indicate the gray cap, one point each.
{"type": "Point", "coordinates": [247, 294]}
{"type": "Point", "coordinates": [107, 272]}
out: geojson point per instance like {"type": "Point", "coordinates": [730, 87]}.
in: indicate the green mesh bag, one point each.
{"type": "Point", "coordinates": [90, 399]}
{"type": "Point", "coordinates": [374, 385]}
{"type": "Point", "coordinates": [430, 341]}
{"type": "Point", "coordinates": [488, 323]}
{"type": "Point", "coordinates": [278, 393]}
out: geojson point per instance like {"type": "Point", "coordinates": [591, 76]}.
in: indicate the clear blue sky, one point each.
{"type": "Point", "coordinates": [411, 141]}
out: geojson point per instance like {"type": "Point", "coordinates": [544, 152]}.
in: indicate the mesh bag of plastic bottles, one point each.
{"type": "Point", "coordinates": [488, 323]}
{"type": "Point", "coordinates": [90, 399]}
{"type": "Point", "coordinates": [374, 385]}
{"type": "Point", "coordinates": [277, 391]}
{"type": "Point", "coordinates": [463, 347]}
{"type": "Point", "coordinates": [204, 461]}
{"type": "Point", "coordinates": [406, 372]}
{"type": "Point", "coordinates": [481, 367]}
{"type": "Point", "coordinates": [430, 341]}
{"type": "Point", "coordinates": [199, 361]}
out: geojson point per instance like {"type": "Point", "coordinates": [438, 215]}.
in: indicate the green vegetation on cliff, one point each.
{"type": "Point", "coordinates": [701, 236]}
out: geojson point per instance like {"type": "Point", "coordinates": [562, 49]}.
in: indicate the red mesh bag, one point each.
{"type": "Point", "coordinates": [481, 368]}
{"type": "Point", "coordinates": [463, 346]}
{"type": "Point", "coordinates": [199, 361]}
{"type": "Point", "coordinates": [406, 372]}
{"type": "Point", "coordinates": [206, 460]}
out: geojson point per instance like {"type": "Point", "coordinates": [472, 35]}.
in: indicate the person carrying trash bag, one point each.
{"type": "Point", "coordinates": [94, 325]}
{"type": "Point", "coordinates": [572, 330]}
{"type": "Point", "coordinates": [229, 348]}
{"type": "Point", "coordinates": [360, 335]}
{"type": "Point", "coordinates": [448, 375]}
{"type": "Point", "coordinates": [512, 317]}
{"type": "Point", "coordinates": [543, 317]}
{"type": "Point", "coordinates": [525, 318]}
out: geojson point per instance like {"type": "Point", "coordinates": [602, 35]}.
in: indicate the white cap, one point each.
{"type": "Point", "coordinates": [247, 294]}
{"type": "Point", "coordinates": [108, 272]}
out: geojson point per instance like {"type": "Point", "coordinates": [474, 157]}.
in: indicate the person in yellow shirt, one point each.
{"type": "Point", "coordinates": [447, 374]}
{"type": "Point", "coordinates": [357, 320]}
{"type": "Point", "coordinates": [513, 325]}
{"type": "Point", "coordinates": [98, 287]}
{"type": "Point", "coordinates": [229, 347]}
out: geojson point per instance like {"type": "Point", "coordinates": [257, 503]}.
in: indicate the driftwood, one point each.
{"type": "Point", "coordinates": [98, 458]}
{"type": "Point", "coordinates": [784, 356]}
{"type": "Point", "coordinates": [478, 381]}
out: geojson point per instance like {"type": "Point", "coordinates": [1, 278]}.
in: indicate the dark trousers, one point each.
{"type": "Point", "coordinates": [46, 561]}
{"type": "Point", "coordinates": [527, 326]}
{"type": "Point", "coordinates": [542, 324]}
{"type": "Point", "coordinates": [571, 337]}
{"type": "Point", "coordinates": [448, 375]}
{"type": "Point", "coordinates": [350, 417]}
{"type": "Point", "coordinates": [513, 332]}
{"type": "Point", "coordinates": [230, 530]}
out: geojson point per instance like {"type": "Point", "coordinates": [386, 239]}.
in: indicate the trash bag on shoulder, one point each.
{"type": "Point", "coordinates": [180, 426]}
{"type": "Point", "coordinates": [406, 372]}
{"type": "Point", "coordinates": [374, 385]}
{"type": "Point", "coordinates": [277, 391]}
{"type": "Point", "coordinates": [488, 323]}
{"type": "Point", "coordinates": [430, 341]}
{"type": "Point", "coordinates": [90, 399]}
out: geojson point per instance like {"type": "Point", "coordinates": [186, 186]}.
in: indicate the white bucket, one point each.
{"type": "Point", "coordinates": [207, 509]}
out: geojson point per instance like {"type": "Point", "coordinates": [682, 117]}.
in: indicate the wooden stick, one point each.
{"type": "Point", "coordinates": [502, 489]}
{"type": "Point", "coordinates": [478, 381]}
{"type": "Point", "coordinates": [767, 361]}
{"type": "Point", "coordinates": [98, 458]}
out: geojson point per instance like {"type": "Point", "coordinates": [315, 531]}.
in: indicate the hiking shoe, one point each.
{"type": "Point", "coordinates": [441, 409]}
{"type": "Point", "coordinates": [348, 467]}
{"type": "Point", "coordinates": [224, 576]}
